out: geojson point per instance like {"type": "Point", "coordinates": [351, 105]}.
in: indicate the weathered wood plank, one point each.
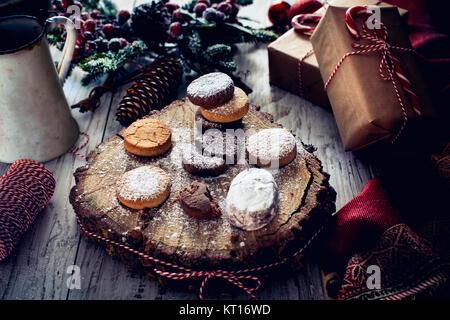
{"type": "Point", "coordinates": [37, 269]}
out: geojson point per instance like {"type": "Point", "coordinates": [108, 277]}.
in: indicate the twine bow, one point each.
{"type": "Point", "coordinates": [206, 275]}
{"type": "Point", "coordinates": [389, 64]}
{"type": "Point", "coordinates": [234, 277]}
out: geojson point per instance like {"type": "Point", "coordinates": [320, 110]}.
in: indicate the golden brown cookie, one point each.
{"type": "Point", "coordinates": [203, 124]}
{"type": "Point", "coordinates": [232, 110]}
{"type": "Point", "coordinates": [147, 137]}
{"type": "Point", "coordinates": [143, 187]}
{"type": "Point", "coordinates": [197, 202]}
{"type": "Point", "coordinates": [273, 148]}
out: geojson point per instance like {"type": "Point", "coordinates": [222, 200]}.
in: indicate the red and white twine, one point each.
{"type": "Point", "coordinates": [389, 64]}
{"type": "Point", "coordinates": [298, 23]}
{"type": "Point", "coordinates": [233, 277]}
{"type": "Point", "coordinates": [76, 150]}
{"type": "Point", "coordinates": [301, 92]}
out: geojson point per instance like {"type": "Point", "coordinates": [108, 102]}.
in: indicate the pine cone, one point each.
{"type": "Point", "coordinates": [152, 90]}
{"type": "Point", "coordinates": [150, 22]}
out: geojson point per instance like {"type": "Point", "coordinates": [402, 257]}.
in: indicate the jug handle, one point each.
{"type": "Point", "coordinates": [69, 45]}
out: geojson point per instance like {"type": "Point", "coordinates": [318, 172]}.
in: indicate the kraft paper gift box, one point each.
{"type": "Point", "coordinates": [366, 108]}
{"type": "Point", "coordinates": [284, 55]}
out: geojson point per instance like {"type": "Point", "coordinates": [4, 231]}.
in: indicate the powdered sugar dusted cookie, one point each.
{"type": "Point", "coordinates": [274, 147]}
{"type": "Point", "coordinates": [143, 187]}
{"type": "Point", "coordinates": [211, 90]}
{"type": "Point", "coordinates": [196, 162]}
{"type": "Point", "coordinates": [252, 200]}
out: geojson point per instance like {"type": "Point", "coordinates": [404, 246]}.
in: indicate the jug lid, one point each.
{"type": "Point", "coordinates": [19, 32]}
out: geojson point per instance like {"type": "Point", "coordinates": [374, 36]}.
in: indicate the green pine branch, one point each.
{"type": "Point", "coordinates": [103, 63]}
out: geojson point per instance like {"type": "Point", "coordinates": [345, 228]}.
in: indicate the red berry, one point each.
{"type": "Point", "coordinates": [177, 16]}
{"type": "Point", "coordinates": [95, 14]}
{"type": "Point", "coordinates": [278, 12]}
{"type": "Point", "coordinates": [123, 42]}
{"type": "Point", "coordinates": [225, 7]}
{"type": "Point", "coordinates": [67, 3]}
{"type": "Point", "coordinates": [171, 7]}
{"type": "Point", "coordinates": [175, 30]}
{"type": "Point", "coordinates": [200, 8]}
{"type": "Point", "coordinates": [303, 6]}
{"type": "Point", "coordinates": [109, 30]}
{"type": "Point", "coordinates": [123, 16]}
{"type": "Point", "coordinates": [234, 9]}
{"type": "Point", "coordinates": [90, 25]}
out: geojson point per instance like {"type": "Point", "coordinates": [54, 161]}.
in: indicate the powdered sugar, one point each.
{"type": "Point", "coordinates": [146, 182]}
{"type": "Point", "coordinates": [210, 85]}
{"type": "Point", "coordinates": [193, 156]}
{"type": "Point", "coordinates": [270, 145]}
{"type": "Point", "coordinates": [252, 199]}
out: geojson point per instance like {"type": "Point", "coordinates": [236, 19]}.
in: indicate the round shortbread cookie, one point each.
{"type": "Point", "coordinates": [273, 148]}
{"type": "Point", "coordinates": [203, 124]}
{"type": "Point", "coordinates": [196, 162]}
{"type": "Point", "coordinates": [147, 137]}
{"type": "Point", "coordinates": [211, 90]}
{"type": "Point", "coordinates": [252, 200]}
{"type": "Point", "coordinates": [143, 187]}
{"type": "Point", "coordinates": [232, 110]}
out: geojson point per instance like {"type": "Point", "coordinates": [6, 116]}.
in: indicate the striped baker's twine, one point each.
{"type": "Point", "coordinates": [388, 64]}
{"type": "Point", "coordinates": [298, 23]}
{"type": "Point", "coordinates": [301, 92]}
{"type": "Point", "coordinates": [233, 277]}
{"type": "Point", "coordinates": [76, 150]}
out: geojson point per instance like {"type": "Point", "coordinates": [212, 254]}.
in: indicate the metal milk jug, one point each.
{"type": "Point", "coordinates": [35, 119]}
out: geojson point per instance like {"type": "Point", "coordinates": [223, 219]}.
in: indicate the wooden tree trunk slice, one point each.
{"type": "Point", "coordinates": [306, 201]}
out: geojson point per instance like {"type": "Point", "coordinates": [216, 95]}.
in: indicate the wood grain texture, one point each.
{"type": "Point", "coordinates": [305, 203]}
{"type": "Point", "coordinates": [37, 269]}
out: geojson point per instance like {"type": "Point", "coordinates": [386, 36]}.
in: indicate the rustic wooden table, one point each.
{"type": "Point", "coordinates": [38, 267]}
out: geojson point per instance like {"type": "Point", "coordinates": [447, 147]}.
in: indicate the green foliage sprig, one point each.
{"type": "Point", "coordinates": [106, 62]}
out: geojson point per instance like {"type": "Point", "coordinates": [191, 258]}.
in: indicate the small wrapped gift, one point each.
{"type": "Point", "coordinates": [372, 76]}
{"type": "Point", "coordinates": [288, 72]}
{"type": "Point", "coordinates": [293, 65]}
